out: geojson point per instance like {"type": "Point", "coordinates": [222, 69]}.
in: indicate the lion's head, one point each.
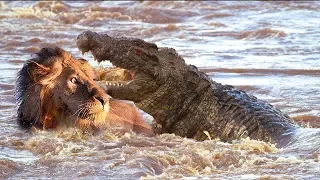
{"type": "Point", "coordinates": [55, 89]}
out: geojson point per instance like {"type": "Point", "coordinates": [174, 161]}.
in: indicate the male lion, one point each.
{"type": "Point", "coordinates": [55, 90]}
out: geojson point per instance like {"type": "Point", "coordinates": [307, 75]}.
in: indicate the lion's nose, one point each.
{"type": "Point", "coordinates": [98, 95]}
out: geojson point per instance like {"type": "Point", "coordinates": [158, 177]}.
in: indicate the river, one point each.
{"type": "Point", "coordinates": [269, 49]}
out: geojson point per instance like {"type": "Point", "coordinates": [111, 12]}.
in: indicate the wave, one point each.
{"type": "Point", "coordinates": [261, 34]}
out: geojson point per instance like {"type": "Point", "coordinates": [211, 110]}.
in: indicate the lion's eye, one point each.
{"type": "Point", "coordinates": [74, 80]}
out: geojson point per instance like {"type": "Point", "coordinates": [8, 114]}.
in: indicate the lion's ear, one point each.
{"type": "Point", "coordinates": [37, 71]}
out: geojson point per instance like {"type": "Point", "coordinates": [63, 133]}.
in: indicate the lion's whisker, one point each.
{"type": "Point", "coordinates": [77, 112]}
{"type": "Point", "coordinates": [86, 113]}
{"type": "Point", "coordinates": [84, 104]}
{"type": "Point", "coordinates": [82, 113]}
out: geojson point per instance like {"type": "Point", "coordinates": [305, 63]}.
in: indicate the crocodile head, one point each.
{"type": "Point", "coordinates": [160, 74]}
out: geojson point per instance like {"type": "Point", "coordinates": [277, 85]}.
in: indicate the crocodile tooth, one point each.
{"type": "Point", "coordinates": [114, 83]}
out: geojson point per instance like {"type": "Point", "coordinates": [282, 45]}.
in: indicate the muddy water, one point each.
{"type": "Point", "coordinates": [269, 49]}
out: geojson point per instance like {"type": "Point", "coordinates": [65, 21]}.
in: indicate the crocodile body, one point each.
{"type": "Point", "coordinates": [182, 99]}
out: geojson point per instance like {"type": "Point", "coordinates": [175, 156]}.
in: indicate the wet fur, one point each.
{"type": "Point", "coordinates": [30, 95]}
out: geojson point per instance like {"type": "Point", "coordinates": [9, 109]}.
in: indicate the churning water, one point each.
{"type": "Point", "coordinates": [269, 49]}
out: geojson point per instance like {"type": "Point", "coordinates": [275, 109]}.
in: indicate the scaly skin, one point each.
{"type": "Point", "coordinates": [183, 100]}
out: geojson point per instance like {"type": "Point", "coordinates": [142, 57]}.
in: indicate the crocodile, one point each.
{"type": "Point", "coordinates": [182, 99]}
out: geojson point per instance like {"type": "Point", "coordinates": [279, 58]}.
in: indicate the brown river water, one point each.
{"type": "Point", "coordinates": [269, 49]}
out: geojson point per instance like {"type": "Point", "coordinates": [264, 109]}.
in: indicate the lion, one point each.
{"type": "Point", "coordinates": [55, 90]}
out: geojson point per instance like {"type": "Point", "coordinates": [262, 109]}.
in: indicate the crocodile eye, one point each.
{"type": "Point", "coordinates": [74, 80]}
